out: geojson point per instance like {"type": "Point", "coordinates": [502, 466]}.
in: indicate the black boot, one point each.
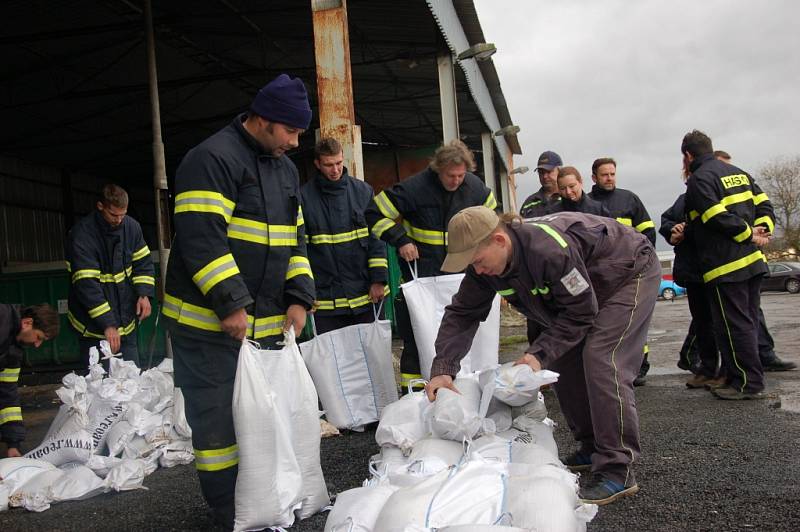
{"type": "Point", "coordinates": [776, 364]}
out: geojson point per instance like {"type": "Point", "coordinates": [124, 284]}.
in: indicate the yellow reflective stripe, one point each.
{"type": "Point", "coordinates": [338, 238]}
{"type": "Point", "coordinates": [381, 226]}
{"type": "Point", "coordinates": [85, 274]}
{"type": "Point", "coordinates": [490, 202]}
{"type": "Point", "coordinates": [11, 413]}
{"type": "Point", "coordinates": [298, 265]}
{"type": "Point", "coordinates": [543, 291]}
{"type": "Point", "coordinates": [300, 219]}
{"type": "Point", "coordinates": [215, 272]}
{"type": "Point", "coordinates": [205, 318]}
{"type": "Point", "coordinates": [9, 375]}
{"type": "Point", "coordinates": [712, 211]}
{"type": "Point", "coordinates": [507, 292]}
{"type": "Point", "coordinates": [724, 202]}
{"type": "Point", "coordinates": [262, 233]}
{"type": "Point", "coordinates": [81, 328]}
{"type": "Point", "coordinates": [144, 279]}
{"type": "Point", "coordinates": [216, 459]}
{"type": "Point", "coordinates": [386, 206]}
{"type": "Point", "coordinates": [625, 221]}
{"type": "Point", "coordinates": [69, 266]}
{"type": "Point", "coordinates": [141, 253]}
{"type": "Point", "coordinates": [426, 236]}
{"type": "Point", "coordinates": [406, 378]}
{"type": "Point", "coordinates": [760, 198]}
{"type": "Point", "coordinates": [744, 235]}
{"type": "Point", "coordinates": [765, 220]}
{"type": "Point", "coordinates": [377, 263]}
{"type": "Point", "coordinates": [646, 349]}
{"type": "Point", "coordinates": [645, 225]}
{"type": "Point", "coordinates": [693, 214]}
{"type": "Point", "coordinates": [553, 233]}
{"type": "Point", "coordinates": [100, 309]}
{"type": "Point", "coordinates": [733, 266]}
{"type": "Point", "coordinates": [204, 201]}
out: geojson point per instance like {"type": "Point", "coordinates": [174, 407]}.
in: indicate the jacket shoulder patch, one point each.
{"type": "Point", "coordinates": [574, 282]}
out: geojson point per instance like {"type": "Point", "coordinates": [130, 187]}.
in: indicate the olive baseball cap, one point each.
{"type": "Point", "coordinates": [465, 232]}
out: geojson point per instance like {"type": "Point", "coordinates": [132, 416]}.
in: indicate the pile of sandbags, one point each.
{"type": "Point", "coordinates": [111, 431]}
{"type": "Point", "coordinates": [477, 461]}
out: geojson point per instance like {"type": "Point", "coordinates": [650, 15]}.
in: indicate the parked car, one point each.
{"type": "Point", "coordinates": [669, 289]}
{"type": "Point", "coordinates": [782, 276]}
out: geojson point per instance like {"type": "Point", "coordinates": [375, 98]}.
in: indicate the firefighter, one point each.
{"type": "Point", "coordinates": [592, 285]}
{"type": "Point", "coordinates": [573, 198]}
{"type": "Point", "coordinates": [19, 328]}
{"type": "Point", "coordinates": [238, 268]}
{"type": "Point", "coordinates": [111, 274]}
{"type": "Point", "coordinates": [627, 209]}
{"type": "Point", "coordinates": [729, 219]}
{"type": "Point", "coordinates": [413, 216]}
{"type": "Point", "coordinates": [349, 265]}
{"type": "Point", "coordinates": [539, 203]}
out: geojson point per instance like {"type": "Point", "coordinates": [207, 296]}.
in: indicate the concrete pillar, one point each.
{"type": "Point", "coordinates": [504, 191]}
{"type": "Point", "coordinates": [511, 181]}
{"type": "Point", "coordinates": [447, 97]}
{"type": "Point", "coordinates": [487, 146]}
{"type": "Point", "coordinates": [334, 81]}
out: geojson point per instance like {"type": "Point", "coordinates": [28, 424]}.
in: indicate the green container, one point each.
{"type": "Point", "coordinates": [52, 286]}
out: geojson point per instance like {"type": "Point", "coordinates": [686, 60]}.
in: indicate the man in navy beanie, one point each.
{"type": "Point", "coordinates": [238, 269]}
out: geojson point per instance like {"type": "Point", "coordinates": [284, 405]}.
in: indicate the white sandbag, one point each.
{"type": "Point", "coordinates": [156, 390]}
{"type": "Point", "coordinates": [73, 414]}
{"type": "Point", "coordinates": [390, 461]}
{"type": "Point", "coordinates": [4, 493]}
{"type": "Point", "coordinates": [507, 448]}
{"type": "Point", "coordinates": [482, 528]}
{"type": "Point", "coordinates": [353, 372]}
{"type": "Point", "coordinates": [541, 432]}
{"type": "Point", "coordinates": [357, 509]}
{"type": "Point", "coordinates": [63, 448]}
{"type": "Point", "coordinates": [403, 422]}
{"type": "Point", "coordinates": [541, 503]}
{"type": "Point", "coordinates": [126, 475]}
{"type": "Point", "coordinates": [500, 414]}
{"type": "Point", "coordinates": [122, 369]}
{"type": "Point", "coordinates": [77, 483]}
{"type": "Point", "coordinates": [455, 415]}
{"type": "Point", "coordinates": [101, 465]}
{"type": "Point", "coordinates": [277, 430]}
{"type": "Point", "coordinates": [148, 452]}
{"type": "Point", "coordinates": [428, 457]}
{"type": "Point", "coordinates": [34, 495]}
{"type": "Point", "coordinates": [176, 452]}
{"type": "Point", "coordinates": [534, 409]}
{"type": "Point", "coordinates": [166, 366]}
{"type": "Point", "coordinates": [103, 414]}
{"type": "Point", "coordinates": [118, 389]}
{"type": "Point", "coordinates": [517, 385]}
{"type": "Point", "coordinates": [119, 436]}
{"type": "Point", "coordinates": [472, 493]}
{"type": "Point", "coordinates": [179, 422]}
{"type": "Point", "coordinates": [426, 298]}
{"type": "Point", "coordinates": [17, 471]}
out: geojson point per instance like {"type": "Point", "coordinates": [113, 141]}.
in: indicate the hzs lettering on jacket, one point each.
{"type": "Point", "coordinates": [736, 180]}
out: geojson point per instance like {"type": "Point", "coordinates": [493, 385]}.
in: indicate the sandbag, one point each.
{"type": "Point", "coordinates": [517, 385]}
{"type": "Point", "coordinates": [353, 372]}
{"type": "Point", "coordinates": [500, 414]}
{"type": "Point", "coordinates": [179, 423]}
{"type": "Point", "coordinates": [4, 493]}
{"type": "Point", "coordinates": [63, 448]}
{"type": "Point", "coordinates": [78, 483]}
{"type": "Point", "coordinates": [534, 409]}
{"type": "Point", "coordinates": [426, 298]}
{"type": "Point", "coordinates": [455, 415]}
{"type": "Point", "coordinates": [542, 503]}
{"type": "Point", "coordinates": [507, 447]}
{"type": "Point", "coordinates": [403, 422]}
{"type": "Point", "coordinates": [126, 475]}
{"type": "Point", "coordinates": [176, 452]}
{"type": "Point", "coordinates": [34, 495]}
{"type": "Point", "coordinates": [357, 509]}
{"type": "Point", "coordinates": [390, 461]}
{"type": "Point", "coordinates": [16, 471]}
{"type": "Point", "coordinates": [541, 432]}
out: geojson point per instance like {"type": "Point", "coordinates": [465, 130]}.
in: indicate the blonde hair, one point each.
{"type": "Point", "coordinates": [453, 153]}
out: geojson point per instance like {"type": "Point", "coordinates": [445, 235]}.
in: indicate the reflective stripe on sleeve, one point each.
{"type": "Point", "coordinates": [141, 253]}
{"type": "Point", "coordinates": [490, 202]}
{"type": "Point", "coordinates": [625, 221]}
{"type": "Point", "coordinates": [204, 201]}
{"type": "Point", "coordinates": [9, 375]}
{"type": "Point", "coordinates": [645, 225]}
{"type": "Point", "coordinates": [386, 206]}
{"type": "Point", "coordinates": [215, 272]}
{"type": "Point", "coordinates": [11, 413]}
{"type": "Point", "coordinates": [144, 279]}
{"type": "Point", "coordinates": [377, 263]}
{"type": "Point", "coordinates": [425, 236]}
{"type": "Point", "coordinates": [507, 292]}
{"type": "Point", "coordinates": [100, 309]}
{"type": "Point", "coordinates": [338, 238]}
{"type": "Point", "coordinates": [381, 226]}
{"type": "Point", "coordinates": [298, 265]}
{"type": "Point", "coordinates": [553, 233]}
{"type": "Point", "coordinates": [765, 220]}
{"type": "Point", "coordinates": [744, 235]}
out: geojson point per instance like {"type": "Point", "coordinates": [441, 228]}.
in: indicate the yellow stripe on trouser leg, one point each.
{"type": "Point", "coordinates": [730, 340]}
{"type": "Point", "coordinates": [216, 459]}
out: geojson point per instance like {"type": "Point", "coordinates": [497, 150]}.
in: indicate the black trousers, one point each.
{"type": "Point", "coordinates": [325, 323]}
{"type": "Point", "coordinates": [703, 330]}
{"type": "Point", "coordinates": [409, 358]}
{"type": "Point", "coordinates": [12, 429]}
{"type": "Point", "coordinates": [734, 312]}
{"type": "Point", "coordinates": [205, 371]}
{"type": "Point", "coordinates": [128, 345]}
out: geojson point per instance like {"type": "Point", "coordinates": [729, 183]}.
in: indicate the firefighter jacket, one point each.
{"type": "Point", "coordinates": [538, 204]}
{"type": "Point", "coordinates": [110, 268]}
{"type": "Point", "coordinates": [585, 205]}
{"type": "Point", "coordinates": [686, 268]}
{"type": "Point", "coordinates": [239, 240]}
{"type": "Point", "coordinates": [563, 268]}
{"type": "Point", "coordinates": [425, 207]}
{"type": "Point", "coordinates": [344, 257]}
{"type": "Point", "coordinates": [12, 431]}
{"type": "Point", "coordinates": [627, 209]}
{"type": "Point", "coordinates": [723, 204]}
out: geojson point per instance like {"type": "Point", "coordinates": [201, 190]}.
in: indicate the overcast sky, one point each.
{"type": "Point", "coordinates": [627, 79]}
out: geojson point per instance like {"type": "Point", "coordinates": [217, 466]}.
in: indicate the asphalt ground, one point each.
{"type": "Point", "coordinates": [706, 464]}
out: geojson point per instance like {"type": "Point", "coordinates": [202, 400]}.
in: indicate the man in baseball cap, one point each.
{"type": "Point", "coordinates": [537, 204]}
{"type": "Point", "coordinates": [591, 284]}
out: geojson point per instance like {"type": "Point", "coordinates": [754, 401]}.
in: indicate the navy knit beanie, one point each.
{"type": "Point", "coordinates": [283, 100]}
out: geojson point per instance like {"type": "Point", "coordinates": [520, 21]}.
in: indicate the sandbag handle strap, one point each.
{"type": "Point", "coordinates": [412, 267]}
{"type": "Point", "coordinates": [414, 382]}
{"type": "Point", "coordinates": [376, 309]}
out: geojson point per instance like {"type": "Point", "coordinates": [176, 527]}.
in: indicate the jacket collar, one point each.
{"type": "Point", "coordinates": [700, 161]}
{"type": "Point", "coordinates": [327, 185]}
{"type": "Point", "coordinates": [597, 190]}
{"type": "Point", "coordinates": [250, 140]}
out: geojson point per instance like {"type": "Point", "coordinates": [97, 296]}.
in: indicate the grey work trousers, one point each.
{"type": "Point", "coordinates": [595, 389]}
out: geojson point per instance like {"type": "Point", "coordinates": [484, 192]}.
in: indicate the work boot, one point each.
{"type": "Point", "coordinates": [578, 461]}
{"type": "Point", "coordinates": [700, 381]}
{"type": "Point", "coordinates": [641, 378]}
{"type": "Point", "coordinates": [713, 384]}
{"type": "Point", "coordinates": [601, 490]}
{"type": "Point", "coordinates": [776, 364]}
{"type": "Point", "coordinates": [730, 394]}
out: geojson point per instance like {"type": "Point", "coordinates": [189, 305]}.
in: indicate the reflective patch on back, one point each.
{"type": "Point", "coordinates": [574, 282]}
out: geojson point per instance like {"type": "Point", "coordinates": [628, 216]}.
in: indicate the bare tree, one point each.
{"type": "Point", "coordinates": [780, 179]}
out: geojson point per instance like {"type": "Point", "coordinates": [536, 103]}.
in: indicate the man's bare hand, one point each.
{"type": "Point", "coordinates": [440, 381]}
{"type": "Point", "coordinates": [408, 252]}
{"type": "Point", "coordinates": [677, 233]}
{"type": "Point", "coordinates": [530, 360]}
{"type": "Point", "coordinates": [235, 324]}
{"type": "Point", "coordinates": [112, 335]}
{"type": "Point", "coordinates": [376, 292]}
{"type": "Point", "coordinates": [761, 236]}
{"type": "Point", "coordinates": [13, 452]}
{"type": "Point", "coordinates": [295, 316]}
{"type": "Point", "coordinates": [143, 308]}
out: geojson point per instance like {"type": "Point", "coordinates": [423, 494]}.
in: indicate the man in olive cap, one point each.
{"type": "Point", "coordinates": [238, 268]}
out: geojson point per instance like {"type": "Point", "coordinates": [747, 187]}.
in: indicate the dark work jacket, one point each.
{"type": "Point", "coordinates": [564, 267]}
{"type": "Point", "coordinates": [239, 238]}
{"type": "Point", "coordinates": [344, 257]}
{"type": "Point", "coordinates": [626, 207]}
{"type": "Point", "coordinates": [12, 429]}
{"type": "Point", "coordinates": [109, 270]}
{"type": "Point", "coordinates": [538, 204]}
{"type": "Point", "coordinates": [10, 351]}
{"type": "Point", "coordinates": [723, 204]}
{"type": "Point", "coordinates": [585, 205]}
{"type": "Point", "coordinates": [425, 208]}
{"type": "Point", "coordinates": [686, 269]}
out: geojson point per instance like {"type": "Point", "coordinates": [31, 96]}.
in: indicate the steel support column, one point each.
{"type": "Point", "coordinates": [447, 97]}
{"type": "Point", "coordinates": [487, 146]}
{"type": "Point", "coordinates": [334, 81]}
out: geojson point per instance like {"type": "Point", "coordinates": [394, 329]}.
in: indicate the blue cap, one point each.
{"type": "Point", "coordinates": [283, 100]}
{"type": "Point", "coordinates": [549, 160]}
